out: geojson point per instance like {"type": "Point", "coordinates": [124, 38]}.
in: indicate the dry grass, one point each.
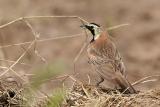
{"type": "Point", "coordinates": [11, 93]}
{"type": "Point", "coordinates": [91, 96]}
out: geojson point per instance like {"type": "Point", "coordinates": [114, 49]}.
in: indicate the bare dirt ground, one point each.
{"type": "Point", "coordinates": [138, 43]}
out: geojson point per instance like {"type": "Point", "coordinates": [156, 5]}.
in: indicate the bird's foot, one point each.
{"type": "Point", "coordinates": [99, 82]}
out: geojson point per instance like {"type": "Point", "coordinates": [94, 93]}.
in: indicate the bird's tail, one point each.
{"type": "Point", "coordinates": [123, 83]}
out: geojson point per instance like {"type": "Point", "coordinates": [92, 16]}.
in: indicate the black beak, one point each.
{"type": "Point", "coordinates": [83, 26]}
{"type": "Point", "coordinates": [88, 27]}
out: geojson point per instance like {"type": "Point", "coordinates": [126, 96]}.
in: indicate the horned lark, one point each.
{"type": "Point", "coordinates": [105, 58]}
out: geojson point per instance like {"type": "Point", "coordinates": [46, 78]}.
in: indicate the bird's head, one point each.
{"type": "Point", "coordinates": [93, 28]}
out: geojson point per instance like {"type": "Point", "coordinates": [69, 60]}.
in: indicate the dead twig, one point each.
{"type": "Point", "coordinates": [89, 79]}
{"type": "Point", "coordinates": [15, 61]}
{"type": "Point", "coordinates": [22, 55]}
{"type": "Point", "coordinates": [142, 80]}
{"type": "Point", "coordinates": [42, 40]}
{"type": "Point", "coordinates": [85, 44]}
{"type": "Point", "coordinates": [117, 26]}
{"type": "Point", "coordinates": [39, 17]}
{"type": "Point", "coordinates": [36, 36]}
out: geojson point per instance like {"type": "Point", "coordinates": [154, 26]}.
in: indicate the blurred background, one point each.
{"type": "Point", "coordinates": [138, 43]}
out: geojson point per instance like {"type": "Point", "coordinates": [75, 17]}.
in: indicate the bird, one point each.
{"type": "Point", "coordinates": [105, 58]}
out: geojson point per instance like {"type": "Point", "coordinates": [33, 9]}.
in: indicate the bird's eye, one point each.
{"type": "Point", "coordinates": [91, 27]}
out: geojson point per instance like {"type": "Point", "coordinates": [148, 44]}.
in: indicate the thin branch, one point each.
{"type": "Point", "coordinates": [11, 22]}
{"type": "Point", "coordinates": [42, 40]}
{"type": "Point", "coordinates": [23, 54]}
{"type": "Point", "coordinates": [2, 67]}
{"type": "Point", "coordinates": [53, 38]}
{"type": "Point", "coordinates": [117, 26]}
{"type": "Point", "coordinates": [15, 61]}
{"type": "Point", "coordinates": [36, 36]}
{"type": "Point", "coordinates": [39, 17]}
{"type": "Point", "coordinates": [144, 79]}
{"type": "Point", "coordinates": [41, 57]}
{"type": "Point", "coordinates": [81, 50]}
{"type": "Point", "coordinates": [17, 74]}
{"type": "Point", "coordinates": [151, 80]}
{"type": "Point", "coordinates": [85, 91]}
{"type": "Point", "coordinates": [85, 44]}
{"type": "Point", "coordinates": [89, 79]}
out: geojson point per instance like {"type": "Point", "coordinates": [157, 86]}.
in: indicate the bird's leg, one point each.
{"type": "Point", "coordinates": [99, 82]}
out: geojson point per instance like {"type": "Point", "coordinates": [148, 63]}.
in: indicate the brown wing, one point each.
{"type": "Point", "coordinates": [107, 55]}
{"type": "Point", "coordinates": [101, 60]}
{"type": "Point", "coordinates": [110, 52]}
{"type": "Point", "coordinates": [107, 61]}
